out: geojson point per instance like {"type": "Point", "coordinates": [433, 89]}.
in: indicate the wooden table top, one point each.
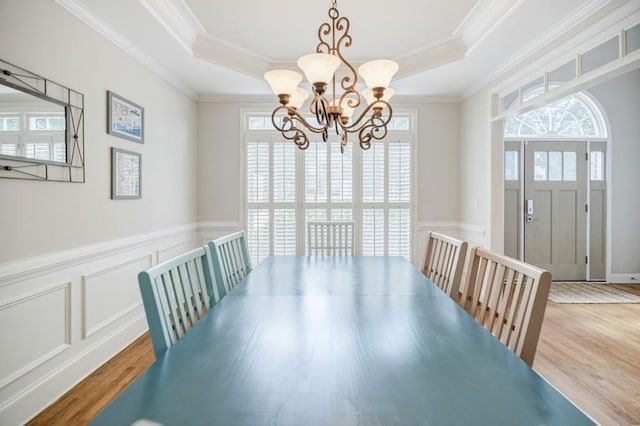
{"type": "Point", "coordinates": [339, 341]}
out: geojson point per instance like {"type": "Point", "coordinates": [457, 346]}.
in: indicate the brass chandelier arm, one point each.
{"type": "Point", "coordinates": [289, 129]}
{"type": "Point", "coordinates": [357, 124]}
{"type": "Point", "coordinates": [371, 130]}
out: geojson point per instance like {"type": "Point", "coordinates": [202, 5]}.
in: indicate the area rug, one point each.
{"type": "Point", "coordinates": [571, 292]}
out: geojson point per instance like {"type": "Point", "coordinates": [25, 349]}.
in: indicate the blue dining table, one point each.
{"type": "Point", "coordinates": [339, 341]}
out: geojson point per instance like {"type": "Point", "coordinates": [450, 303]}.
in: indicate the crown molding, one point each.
{"type": "Point", "coordinates": [594, 9]}
{"type": "Point", "coordinates": [270, 100]}
{"type": "Point", "coordinates": [482, 20]}
{"type": "Point", "coordinates": [431, 56]}
{"type": "Point", "coordinates": [227, 55]}
{"type": "Point", "coordinates": [246, 99]}
{"type": "Point", "coordinates": [177, 19]}
{"type": "Point", "coordinates": [124, 44]}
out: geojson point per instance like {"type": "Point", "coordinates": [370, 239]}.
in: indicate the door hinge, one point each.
{"type": "Point", "coordinates": [586, 156]}
{"type": "Point", "coordinates": [586, 259]}
{"type": "Point", "coordinates": [586, 208]}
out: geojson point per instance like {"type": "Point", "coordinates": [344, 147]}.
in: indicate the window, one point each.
{"type": "Point", "coordinates": [597, 165]}
{"type": "Point", "coordinates": [286, 188]}
{"type": "Point", "coordinates": [511, 165]}
{"type": "Point", "coordinates": [9, 124]}
{"type": "Point", "coordinates": [572, 116]}
{"type": "Point", "coordinates": [554, 166]}
{"type": "Point", "coordinates": [39, 137]}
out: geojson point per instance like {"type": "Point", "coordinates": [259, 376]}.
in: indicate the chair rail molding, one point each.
{"type": "Point", "coordinates": [32, 267]}
{"type": "Point", "coordinates": [88, 308]}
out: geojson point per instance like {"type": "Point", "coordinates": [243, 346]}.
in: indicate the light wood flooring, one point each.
{"type": "Point", "coordinates": [591, 353]}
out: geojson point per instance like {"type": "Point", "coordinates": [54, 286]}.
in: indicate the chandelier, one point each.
{"type": "Point", "coordinates": [334, 108]}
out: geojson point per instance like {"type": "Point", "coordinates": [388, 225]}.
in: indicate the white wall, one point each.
{"type": "Point", "coordinates": [475, 168]}
{"type": "Point", "coordinates": [620, 99]}
{"type": "Point", "coordinates": [69, 254]}
{"type": "Point", "coordinates": [219, 176]}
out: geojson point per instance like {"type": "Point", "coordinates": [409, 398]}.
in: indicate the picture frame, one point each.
{"type": "Point", "coordinates": [125, 118]}
{"type": "Point", "coordinates": [126, 174]}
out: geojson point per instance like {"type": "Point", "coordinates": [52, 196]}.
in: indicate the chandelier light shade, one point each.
{"type": "Point", "coordinates": [319, 67]}
{"type": "Point", "coordinates": [297, 99]}
{"type": "Point", "coordinates": [378, 73]}
{"type": "Point", "coordinates": [283, 81]}
{"type": "Point", "coordinates": [334, 104]}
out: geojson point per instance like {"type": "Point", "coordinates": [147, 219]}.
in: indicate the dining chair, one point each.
{"type": "Point", "coordinates": [176, 294]}
{"type": "Point", "coordinates": [231, 262]}
{"type": "Point", "coordinates": [508, 297]}
{"type": "Point", "coordinates": [444, 261]}
{"type": "Point", "coordinates": [330, 238]}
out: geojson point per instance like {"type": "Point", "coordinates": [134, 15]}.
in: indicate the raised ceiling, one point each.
{"type": "Point", "coordinates": [444, 48]}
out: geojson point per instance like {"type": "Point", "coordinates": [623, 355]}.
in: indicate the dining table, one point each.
{"type": "Point", "coordinates": [313, 340]}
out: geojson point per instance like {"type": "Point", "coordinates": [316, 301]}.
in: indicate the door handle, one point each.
{"type": "Point", "coordinates": [529, 207]}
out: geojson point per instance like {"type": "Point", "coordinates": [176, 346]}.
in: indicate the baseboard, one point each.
{"type": "Point", "coordinates": [631, 278]}
{"type": "Point", "coordinates": [22, 407]}
{"type": "Point", "coordinates": [88, 308]}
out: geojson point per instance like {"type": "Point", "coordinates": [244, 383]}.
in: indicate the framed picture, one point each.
{"type": "Point", "coordinates": [126, 175]}
{"type": "Point", "coordinates": [124, 118]}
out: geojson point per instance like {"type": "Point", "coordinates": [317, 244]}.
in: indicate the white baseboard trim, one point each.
{"type": "Point", "coordinates": [48, 389]}
{"type": "Point", "coordinates": [630, 278]}
{"type": "Point", "coordinates": [114, 328]}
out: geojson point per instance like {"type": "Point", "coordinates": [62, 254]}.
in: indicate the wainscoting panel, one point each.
{"type": "Point", "coordinates": [45, 313]}
{"type": "Point", "coordinates": [64, 314]}
{"type": "Point", "coordinates": [110, 294]}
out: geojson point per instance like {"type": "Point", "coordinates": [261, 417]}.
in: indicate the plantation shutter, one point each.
{"type": "Point", "coordinates": [258, 184]}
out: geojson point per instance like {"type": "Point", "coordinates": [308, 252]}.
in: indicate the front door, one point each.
{"type": "Point", "coordinates": [555, 208]}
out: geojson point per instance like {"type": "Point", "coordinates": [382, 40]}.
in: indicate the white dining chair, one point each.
{"type": "Point", "coordinates": [444, 261]}
{"type": "Point", "coordinates": [176, 294]}
{"type": "Point", "coordinates": [508, 297]}
{"type": "Point", "coordinates": [330, 238]}
{"type": "Point", "coordinates": [231, 262]}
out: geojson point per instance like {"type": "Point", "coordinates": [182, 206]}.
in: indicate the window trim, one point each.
{"type": "Point", "coordinates": [247, 135]}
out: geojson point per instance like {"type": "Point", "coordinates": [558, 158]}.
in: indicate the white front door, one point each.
{"type": "Point", "coordinates": [555, 208]}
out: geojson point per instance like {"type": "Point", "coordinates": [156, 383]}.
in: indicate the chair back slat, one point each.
{"type": "Point", "coordinates": [176, 294]}
{"type": "Point", "coordinates": [444, 261]}
{"type": "Point", "coordinates": [508, 297]}
{"type": "Point", "coordinates": [330, 238]}
{"type": "Point", "coordinates": [231, 262]}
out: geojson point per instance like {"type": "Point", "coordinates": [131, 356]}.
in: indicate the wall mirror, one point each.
{"type": "Point", "coordinates": [41, 127]}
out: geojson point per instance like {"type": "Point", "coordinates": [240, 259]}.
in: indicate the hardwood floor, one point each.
{"type": "Point", "coordinates": [82, 403]}
{"type": "Point", "coordinates": [591, 353]}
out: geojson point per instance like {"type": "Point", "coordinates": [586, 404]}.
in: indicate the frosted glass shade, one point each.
{"type": "Point", "coordinates": [368, 95]}
{"type": "Point", "coordinates": [378, 73]}
{"type": "Point", "coordinates": [319, 67]}
{"type": "Point", "coordinates": [283, 82]}
{"type": "Point", "coordinates": [297, 98]}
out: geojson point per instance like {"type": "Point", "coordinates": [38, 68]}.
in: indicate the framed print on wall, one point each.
{"type": "Point", "coordinates": [125, 119]}
{"type": "Point", "coordinates": [126, 175]}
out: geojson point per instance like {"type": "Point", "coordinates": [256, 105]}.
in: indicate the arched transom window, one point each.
{"type": "Point", "coordinates": [569, 117]}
